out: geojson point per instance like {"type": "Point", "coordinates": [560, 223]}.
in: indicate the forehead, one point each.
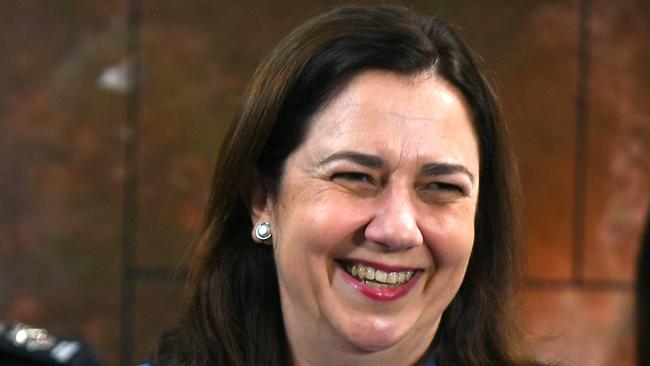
{"type": "Point", "coordinates": [378, 110]}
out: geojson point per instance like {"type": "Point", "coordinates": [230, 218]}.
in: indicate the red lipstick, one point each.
{"type": "Point", "coordinates": [381, 294]}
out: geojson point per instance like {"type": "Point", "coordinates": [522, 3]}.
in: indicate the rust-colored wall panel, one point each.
{"type": "Point", "coordinates": [580, 327]}
{"type": "Point", "coordinates": [539, 77]}
{"type": "Point", "coordinates": [618, 144]}
{"type": "Point", "coordinates": [540, 105]}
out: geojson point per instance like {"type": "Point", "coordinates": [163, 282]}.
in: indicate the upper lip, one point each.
{"type": "Point", "coordinates": [381, 266]}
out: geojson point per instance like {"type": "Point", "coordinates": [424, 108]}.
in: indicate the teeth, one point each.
{"type": "Point", "coordinates": [361, 272]}
{"type": "Point", "coordinates": [370, 273]}
{"type": "Point", "coordinates": [380, 276]}
{"type": "Point", "coordinates": [377, 278]}
{"type": "Point", "coordinates": [376, 284]}
{"type": "Point", "coordinates": [401, 277]}
{"type": "Point", "coordinates": [372, 284]}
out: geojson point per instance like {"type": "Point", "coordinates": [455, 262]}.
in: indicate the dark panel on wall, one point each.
{"type": "Point", "coordinates": [61, 168]}
{"type": "Point", "coordinates": [186, 100]}
{"type": "Point", "coordinates": [157, 309]}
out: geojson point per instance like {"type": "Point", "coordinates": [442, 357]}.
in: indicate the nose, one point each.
{"type": "Point", "coordinates": [394, 224]}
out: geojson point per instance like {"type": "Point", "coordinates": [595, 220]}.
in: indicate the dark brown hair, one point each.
{"type": "Point", "coordinates": [233, 315]}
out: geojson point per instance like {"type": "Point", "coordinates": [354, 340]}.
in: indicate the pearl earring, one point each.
{"type": "Point", "coordinates": [263, 231]}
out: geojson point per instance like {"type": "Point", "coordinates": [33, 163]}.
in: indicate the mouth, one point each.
{"type": "Point", "coordinates": [380, 282]}
{"type": "Point", "coordinates": [377, 278]}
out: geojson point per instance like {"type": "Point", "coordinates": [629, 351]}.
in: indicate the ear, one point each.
{"type": "Point", "coordinates": [259, 203]}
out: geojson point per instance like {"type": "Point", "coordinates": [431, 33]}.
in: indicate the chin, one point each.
{"type": "Point", "coordinates": [375, 337]}
{"type": "Point", "coordinates": [376, 344]}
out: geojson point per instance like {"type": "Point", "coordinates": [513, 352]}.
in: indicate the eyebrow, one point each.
{"type": "Point", "coordinates": [372, 161]}
{"type": "Point", "coordinates": [367, 160]}
{"type": "Point", "coordinates": [446, 169]}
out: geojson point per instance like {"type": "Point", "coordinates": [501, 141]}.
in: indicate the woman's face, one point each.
{"type": "Point", "coordinates": [373, 224]}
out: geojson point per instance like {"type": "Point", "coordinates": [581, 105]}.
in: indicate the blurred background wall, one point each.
{"type": "Point", "coordinates": [103, 181]}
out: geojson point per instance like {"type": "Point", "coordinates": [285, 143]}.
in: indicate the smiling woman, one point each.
{"type": "Point", "coordinates": [371, 246]}
{"type": "Point", "coordinates": [363, 208]}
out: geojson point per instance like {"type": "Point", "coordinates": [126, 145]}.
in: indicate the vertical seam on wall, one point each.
{"type": "Point", "coordinates": [130, 187]}
{"type": "Point", "coordinates": [580, 183]}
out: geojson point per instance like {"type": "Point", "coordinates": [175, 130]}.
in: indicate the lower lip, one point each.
{"type": "Point", "coordinates": [380, 294]}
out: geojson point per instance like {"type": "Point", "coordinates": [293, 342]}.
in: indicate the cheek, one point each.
{"type": "Point", "coordinates": [321, 223]}
{"type": "Point", "coordinates": [309, 234]}
{"type": "Point", "coordinates": [450, 238]}
{"type": "Point", "coordinates": [339, 220]}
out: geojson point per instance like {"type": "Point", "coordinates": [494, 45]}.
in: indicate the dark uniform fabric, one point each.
{"type": "Point", "coordinates": [25, 345]}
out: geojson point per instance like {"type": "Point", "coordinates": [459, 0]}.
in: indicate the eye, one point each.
{"type": "Point", "coordinates": [443, 192]}
{"type": "Point", "coordinates": [353, 177]}
{"type": "Point", "coordinates": [355, 182]}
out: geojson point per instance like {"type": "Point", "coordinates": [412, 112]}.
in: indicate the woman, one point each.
{"type": "Point", "coordinates": [345, 225]}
